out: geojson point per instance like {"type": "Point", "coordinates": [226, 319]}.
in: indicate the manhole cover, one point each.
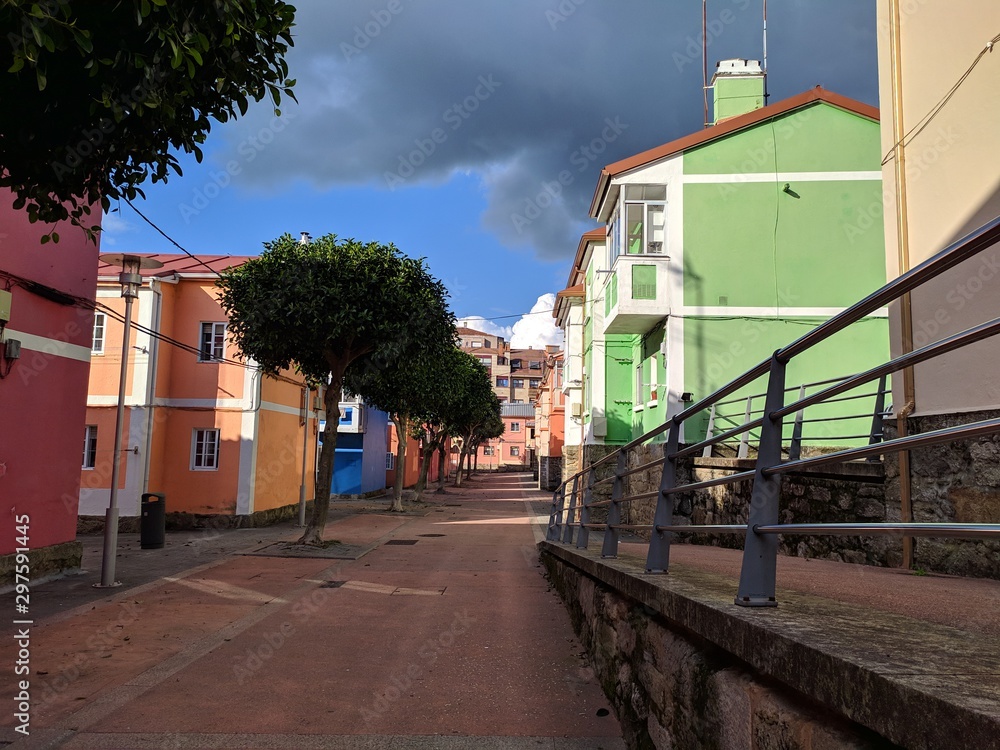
{"type": "Point", "coordinates": [401, 541]}
{"type": "Point", "coordinates": [430, 536]}
{"type": "Point", "coordinates": [332, 584]}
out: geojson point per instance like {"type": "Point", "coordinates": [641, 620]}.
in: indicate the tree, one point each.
{"type": "Point", "coordinates": [323, 305]}
{"type": "Point", "coordinates": [98, 93]}
{"type": "Point", "coordinates": [476, 406]}
{"type": "Point", "coordinates": [411, 390]}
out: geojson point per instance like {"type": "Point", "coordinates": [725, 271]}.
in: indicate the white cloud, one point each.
{"type": "Point", "coordinates": [112, 227]}
{"type": "Point", "coordinates": [478, 323]}
{"type": "Point", "coordinates": [537, 329]}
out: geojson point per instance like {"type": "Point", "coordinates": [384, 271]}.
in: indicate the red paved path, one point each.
{"type": "Point", "coordinates": [453, 642]}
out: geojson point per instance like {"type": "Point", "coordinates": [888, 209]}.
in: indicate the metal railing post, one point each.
{"type": "Point", "coordinates": [568, 531]}
{"type": "Point", "coordinates": [744, 449]}
{"type": "Point", "coordinates": [760, 552]}
{"type": "Point", "coordinates": [878, 418]}
{"type": "Point", "coordinates": [583, 538]}
{"type": "Point", "coordinates": [658, 556]}
{"type": "Point", "coordinates": [795, 448]}
{"type": "Point", "coordinates": [610, 547]}
{"type": "Point", "coordinates": [709, 433]}
{"type": "Point", "coordinates": [555, 520]}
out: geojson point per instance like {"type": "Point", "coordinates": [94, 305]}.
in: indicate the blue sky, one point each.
{"type": "Point", "coordinates": [437, 125]}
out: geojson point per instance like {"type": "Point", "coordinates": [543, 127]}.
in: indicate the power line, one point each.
{"type": "Point", "coordinates": [171, 239]}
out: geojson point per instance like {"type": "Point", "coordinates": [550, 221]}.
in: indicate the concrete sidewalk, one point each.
{"type": "Point", "coordinates": [444, 635]}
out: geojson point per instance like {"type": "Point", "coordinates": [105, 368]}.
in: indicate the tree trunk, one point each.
{"type": "Point", "coordinates": [321, 505]}
{"type": "Point", "coordinates": [425, 465]}
{"type": "Point", "coordinates": [442, 456]}
{"type": "Point", "coordinates": [397, 486]}
{"type": "Point", "coordinates": [461, 462]}
{"type": "Point", "coordinates": [475, 460]}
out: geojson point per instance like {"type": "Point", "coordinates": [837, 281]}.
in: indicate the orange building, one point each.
{"type": "Point", "coordinates": [202, 425]}
{"type": "Point", "coordinates": [550, 420]}
{"type": "Point", "coordinates": [411, 472]}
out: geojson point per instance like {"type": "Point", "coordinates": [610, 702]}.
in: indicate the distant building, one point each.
{"type": "Point", "coordinates": [516, 374]}
{"type": "Point", "coordinates": [550, 424]}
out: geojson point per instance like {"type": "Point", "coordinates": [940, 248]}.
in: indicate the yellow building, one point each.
{"type": "Point", "coordinates": [202, 425]}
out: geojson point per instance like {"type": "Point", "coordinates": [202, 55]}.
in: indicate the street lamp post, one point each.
{"type": "Point", "coordinates": [130, 280]}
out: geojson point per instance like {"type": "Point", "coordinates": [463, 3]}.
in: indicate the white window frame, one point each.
{"type": "Point", "coordinates": [620, 230]}
{"type": "Point", "coordinates": [515, 451]}
{"type": "Point", "coordinates": [654, 379]}
{"type": "Point", "coordinates": [515, 426]}
{"type": "Point", "coordinates": [206, 433]}
{"type": "Point", "coordinates": [90, 447]}
{"type": "Point", "coordinates": [214, 335]}
{"type": "Point", "coordinates": [514, 382]}
{"type": "Point", "coordinates": [97, 342]}
{"type": "Point", "coordinates": [390, 461]}
{"type": "Point", "coordinates": [488, 450]}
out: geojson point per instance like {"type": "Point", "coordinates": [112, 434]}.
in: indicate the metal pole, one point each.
{"type": "Point", "coordinates": [305, 451]}
{"type": "Point", "coordinates": [111, 517]}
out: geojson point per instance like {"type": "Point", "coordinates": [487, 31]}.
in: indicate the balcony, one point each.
{"type": "Point", "coordinates": [636, 293]}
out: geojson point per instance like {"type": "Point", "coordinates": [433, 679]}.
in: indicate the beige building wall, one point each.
{"type": "Point", "coordinates": [942, 182]}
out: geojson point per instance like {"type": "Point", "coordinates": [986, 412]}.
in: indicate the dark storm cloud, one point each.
{"type": "Point", "coordinates": [533, 96]}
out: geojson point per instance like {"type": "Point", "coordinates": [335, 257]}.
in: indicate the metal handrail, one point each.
{"type": "Point", "coordinates": [758, 577]}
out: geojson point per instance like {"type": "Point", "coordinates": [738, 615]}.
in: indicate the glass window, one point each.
{"type": "Point", "coordinates": [390, 461]}
{"type": "Point", "coordinates": [488, 450]}
{"type": "Point", "coordinates": [515, 450]}
{"type": "Point", "coordinates": [100, 324]}
{"type": "Point", "coordinates": [515, 364]}
{"type": "Point", "coordinates": [534, 383]}
{"type": "Point", "coordinates": [519, 382]}
{"type": "Point", "coordinates": [204, 450]}
{"type": "Point", "coordinates": [213, 342]}
{"type": "Point", "coordinates": [535, 364]}
{"type": "Point", "coordinates": [503, 382]}
{"type": "Point", "coordinates": [515, 426]}
{"type": "Point", "coordinates": [90, 447]}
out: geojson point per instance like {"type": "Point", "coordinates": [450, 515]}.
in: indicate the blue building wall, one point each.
{"type": "Point", "coordinates": [359, 463]}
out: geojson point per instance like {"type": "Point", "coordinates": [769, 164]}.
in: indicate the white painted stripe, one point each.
{"type": "Point", "coordinates": [225, 590]}
{"type": "Point", "coordinates": [790, 177]}
{"type": "Point", "coordinates": [246, 485]}
{"type": "Point", "coordinates": [109, 293]}
{"type": "Point", "coordinates": [52, 347]}
{"type": "Point", "coordinates": [771, 312]}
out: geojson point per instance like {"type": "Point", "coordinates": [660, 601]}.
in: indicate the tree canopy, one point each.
{"type": "Point", "coordinates": [97, 94]}
{"type": "Point", "coordinates": [327, 304]}
{"type": "Point", "coordinates": [476, 408]}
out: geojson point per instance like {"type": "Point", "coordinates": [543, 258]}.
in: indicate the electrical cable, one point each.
{"type": "Point", "coordinates": [171, 240]}
{"type": "Point", "coordinates": [936, 109]}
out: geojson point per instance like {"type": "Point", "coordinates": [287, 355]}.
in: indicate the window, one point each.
{"type": "Point", "coordinates": [346, 415]}
{"type": "Point", "coordinates": [515, 364]}
{"type": "Point", "coordinates": [519, 382]}
{"type": "Point", "coordinates": [642, 229]}
{"type": "Point", "coordinates": [213, 341]}
{"type": "Point", "coordinates": [90, 447]}
{"type": "Point", "coordinates": [515, 450]}
{"type": "Point", "coordinates": [485, 361]}
{"type": "Point", "coordinates": [488, 450]}
{"type": "Point", "coordinates": [515, 426]}
{"type": "Point", "coordinates": [639, 389]}
{"type": "Point", "coordinates": [390, 461]}
{"type": "Point", "coordinates": [204, 450]}
{"type": "Point", "coordinates": [534, 383]}
{"type": "Point", "coordinates": [654, 376]}
{"type": "Point", "coordinates": [535, 364]}
{"type": "Point", "coordinates": [477, 344]}
{"type": "Point", "coordinates": [100, 323]}
{"type": "Point", "coordinates": [503, 382]}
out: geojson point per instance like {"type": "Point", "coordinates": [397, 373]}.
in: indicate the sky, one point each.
{"type": "Point", "coordinates": [443, 126]}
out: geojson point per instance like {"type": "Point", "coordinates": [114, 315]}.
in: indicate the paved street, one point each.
{"type": "Point", "coordinates": [444, 635]}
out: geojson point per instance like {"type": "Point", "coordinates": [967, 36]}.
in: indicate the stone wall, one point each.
{"type": "Point", "coordinates": [549, 472]}
{"type": "Point", "coordinates": [570, 460]}
{"type": "Point", "coordinates": [956, 482]}
{"type": "Point", "coordinates": [672, 689]}
{"type": "Point", "coordinates": [43, 562]}
{"type": "Point", "coordinates": [848, 494]}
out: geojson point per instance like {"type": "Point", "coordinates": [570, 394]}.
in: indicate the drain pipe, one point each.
{"type": "Point", "coordinates": [903, 244]}
{"type": "Point", "coordinates": [151, 365]}
{"type": "Point", "coordinates": [305, 454]}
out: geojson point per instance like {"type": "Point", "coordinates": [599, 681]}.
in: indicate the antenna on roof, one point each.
{"type": "Point", "coordinates": [304, 238]}
{"type": "Point", "coordinates": [704, 58]}
{"type": "Point", "coordinates": [765, 53]}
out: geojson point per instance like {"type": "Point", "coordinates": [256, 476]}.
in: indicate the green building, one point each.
{"type": "Point", "coordinates": [724, 245]}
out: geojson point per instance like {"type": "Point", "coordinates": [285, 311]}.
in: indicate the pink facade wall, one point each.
{"type": "Point", "coordinates": [43, 397]}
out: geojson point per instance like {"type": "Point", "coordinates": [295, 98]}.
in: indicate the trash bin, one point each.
{"type": "Point", "coordinates": [153, 521]}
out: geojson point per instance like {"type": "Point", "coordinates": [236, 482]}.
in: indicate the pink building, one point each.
{"type": "Point", "coordinates": [46, 307]}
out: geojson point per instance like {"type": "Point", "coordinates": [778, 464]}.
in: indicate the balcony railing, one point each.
{"type": "Point", "coordinates": [573, 500]}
